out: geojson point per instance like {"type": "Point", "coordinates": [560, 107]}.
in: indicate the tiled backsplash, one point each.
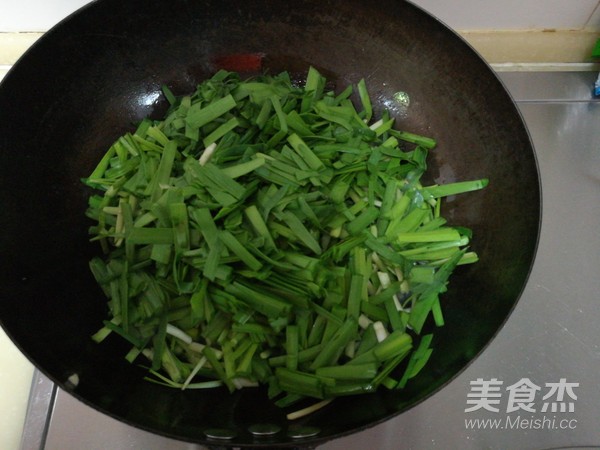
{"type": "Point", "coordinates": [514, 32]}
{"type": "Point", "coordinates": [39, 15]}
{"type": "Point", "coordinates": [515, 14]}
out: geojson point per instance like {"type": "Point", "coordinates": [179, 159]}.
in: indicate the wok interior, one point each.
{"type": "Point", "coordinates": [98, 73]}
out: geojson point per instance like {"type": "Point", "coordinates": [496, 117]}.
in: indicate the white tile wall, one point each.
{"type": "Point", "coordinates": [511, 14]}
{"type": "Point", "coordinates": [39, 15]}
{"type": "Point", "coordinates": [35, 15]}
{"type": "Point", "coordinates": [594, 21]}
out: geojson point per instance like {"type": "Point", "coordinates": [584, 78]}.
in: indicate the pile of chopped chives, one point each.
{"type": "Point", "coordinates": [269, 233]}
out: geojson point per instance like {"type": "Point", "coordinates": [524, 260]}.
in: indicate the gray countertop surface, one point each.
{"type": "Point", "coordinates": [538, 378]}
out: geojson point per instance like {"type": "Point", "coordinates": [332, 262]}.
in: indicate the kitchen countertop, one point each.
{"type": "Point", "coordinates": [15, 382]}
{"type": "Point", "coordinates": [547, 354]}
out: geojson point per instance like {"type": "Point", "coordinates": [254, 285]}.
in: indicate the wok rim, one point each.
{"type": "Point", "coordinates": [311, 441]}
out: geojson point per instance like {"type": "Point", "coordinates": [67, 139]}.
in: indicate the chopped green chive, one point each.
{"type": "Point", "coordinates": [265, 233]}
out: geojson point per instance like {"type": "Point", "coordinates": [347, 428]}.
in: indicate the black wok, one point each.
{"type": "Point", "coordinates": [97, 73]}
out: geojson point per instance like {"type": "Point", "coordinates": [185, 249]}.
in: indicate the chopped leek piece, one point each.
{"type": "Point", "coordinates": [269, 233]}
